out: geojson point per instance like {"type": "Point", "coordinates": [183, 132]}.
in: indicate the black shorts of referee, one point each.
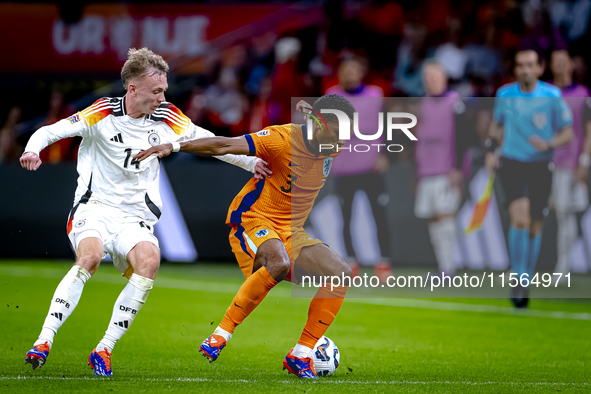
{"type": "Point", "coordinates": [524, 179]}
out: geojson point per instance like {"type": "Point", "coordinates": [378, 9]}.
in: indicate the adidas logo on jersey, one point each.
{"type": "Point", "coordinates": [124, 323]}
{"type": "Point", "coordinates": [117, 138]}
{"type": "Point", "coordinates": [57, 315]}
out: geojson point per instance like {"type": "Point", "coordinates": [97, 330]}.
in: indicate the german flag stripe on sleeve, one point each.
{"type": "Point", "coordinates": [98, 111]}
{"type": "Point", "coordinates": [173, 117]}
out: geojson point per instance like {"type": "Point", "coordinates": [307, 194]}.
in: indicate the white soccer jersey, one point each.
{"type": "Point", "coordinates": [110, 139]}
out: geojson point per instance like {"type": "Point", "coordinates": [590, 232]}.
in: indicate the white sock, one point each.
{"type": "Point", "coordinates": [567, 235]}
{"type": "Point", "coordinates": [443, 238]}
{"type": "Point", "coordinates": [220, 331]}
{"type": "Point", "coordinates": [129, 303]}
{"type": "Point", "coordinates": [63, 303]}
{"type": "Point", "coordinates": [301, 351]}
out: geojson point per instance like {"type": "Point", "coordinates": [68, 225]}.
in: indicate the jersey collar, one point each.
{"type": "Point", "coordinates": [532, 93]}
{"type": "Point", "coordinates": [308, 146]}
{"type": "Point", "coordinates": [306, 142]}
{"type": "Point", "coordinates": [570, 87]}
{"type": "Point", "coordinates": [356, 90]}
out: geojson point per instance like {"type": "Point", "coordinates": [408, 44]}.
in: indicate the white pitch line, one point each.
{"type": "Point", "coordinates": [294, 381]}
{"type": "Point", "coordinates": [482, 308]}
{"type": "Point", "coordinates": [285, 292]}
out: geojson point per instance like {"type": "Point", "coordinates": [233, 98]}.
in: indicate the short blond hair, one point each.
{"type": "Point", "coordinates": [140, 63]}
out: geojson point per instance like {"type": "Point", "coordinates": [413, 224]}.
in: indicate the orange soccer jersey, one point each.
{"type": "Point", "coordinates": [277, 207]}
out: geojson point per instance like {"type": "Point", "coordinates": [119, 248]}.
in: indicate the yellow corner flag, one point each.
{"type": "Point", "coordinates": [481, 207]}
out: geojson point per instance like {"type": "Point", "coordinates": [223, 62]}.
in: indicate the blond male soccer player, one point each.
{"type": "Point", "coordinates": [117, 201]}
{"type": "Point", "coordinates": [267, 219]}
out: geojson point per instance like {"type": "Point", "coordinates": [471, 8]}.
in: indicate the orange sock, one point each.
{"type": "Point", "coordinates": [323, 309]}
{"type": "Point", "coordinates": [251, 293]}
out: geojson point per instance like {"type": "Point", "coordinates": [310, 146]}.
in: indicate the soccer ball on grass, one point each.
{"type": "Point", "coordinates": [326, 357]}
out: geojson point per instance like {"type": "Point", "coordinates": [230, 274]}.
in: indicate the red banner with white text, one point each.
{"type": "Point", "coordinates": [37, 40]}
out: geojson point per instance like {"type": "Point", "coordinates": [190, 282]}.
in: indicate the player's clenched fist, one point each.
{"type": "Point", "coordinates": [30, 161]}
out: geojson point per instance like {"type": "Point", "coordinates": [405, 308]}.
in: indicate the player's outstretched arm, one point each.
{"type": "Point", "coordinates": [47, 135]}
{"type": "Point", "coordinates": [213, 146]}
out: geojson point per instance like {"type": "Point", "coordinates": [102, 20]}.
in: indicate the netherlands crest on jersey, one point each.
{"type": "Point", "coordinates": [540, 120]}
{"type": "Point", "coordinates": [153, 138]}
{"type": "Point", "coordinates": [261, 233]}
{"type": "Point", "coordinates": [327, 165]}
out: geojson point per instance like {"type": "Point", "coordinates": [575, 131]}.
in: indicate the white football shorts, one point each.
{"type": "Point", "coordinates": [119, 231]}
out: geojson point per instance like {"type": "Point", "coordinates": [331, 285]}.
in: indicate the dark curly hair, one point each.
{"type": "Point", "coordinates": [334, 101]}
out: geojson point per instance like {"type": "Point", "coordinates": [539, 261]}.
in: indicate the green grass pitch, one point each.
{"type": "Point", "coordinates": [386, 345]}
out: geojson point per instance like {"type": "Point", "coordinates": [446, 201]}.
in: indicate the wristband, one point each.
{"type": "Point", "coordinates": [585, 160]}
{"type": "Point", "coordinates": [176, 146]}
{"type": "Point", "coordinates": [491, 144]}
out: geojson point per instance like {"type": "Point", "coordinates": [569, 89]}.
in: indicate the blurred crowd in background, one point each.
{"type": "Point", "coordinates": [236, 68]}
{"type": "Point", "coordinates": [249, 84]}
